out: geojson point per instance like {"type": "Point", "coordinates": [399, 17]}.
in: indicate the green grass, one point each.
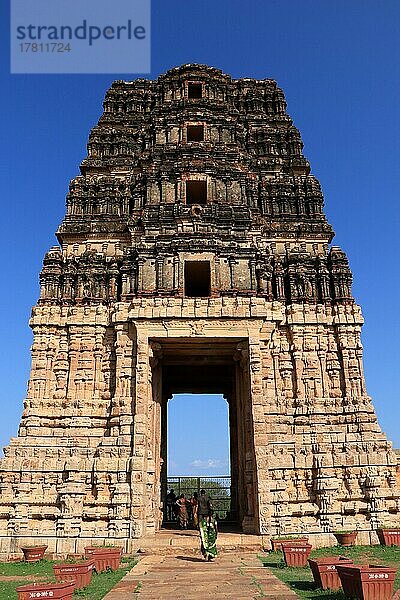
{"type": "Point", "coordinates": [100, 585]}
{"type": "Point", "coordinates": [7, 589]}
{"type": "Point", "coordinates": [300, 580]}
{"type": "Point", "coordinates": [42, 568]}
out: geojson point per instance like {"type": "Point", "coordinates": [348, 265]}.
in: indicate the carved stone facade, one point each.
{"type": "Point", "coordinates": [194, 256]}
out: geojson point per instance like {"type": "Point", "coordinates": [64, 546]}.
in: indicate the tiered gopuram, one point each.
{"type": "Point", "coordinates": [195, 257]}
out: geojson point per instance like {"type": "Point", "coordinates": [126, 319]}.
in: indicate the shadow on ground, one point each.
{"type": "Point", "coordinates": [310, 586]}
{"type": "Point", "coordinates": [190, 558]}
{"type": "Point", "coordinates": [305, 586]}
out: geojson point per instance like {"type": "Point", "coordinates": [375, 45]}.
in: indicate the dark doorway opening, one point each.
{"type": "Point", "coordinates": [196, 191]}
{"type": "Point", "coordinates": [195, 90]}
{"type": "Point", "coordinates": [195, 133]}
{"type": "Point", "coordinates": [197, 278]}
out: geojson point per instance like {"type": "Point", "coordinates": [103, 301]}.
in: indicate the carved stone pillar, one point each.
{"type": "Point", "coordinates": [141, 262]}
{"type": "Point", "coordinates": [299, 366]}
{"type": "Point", "coordinates": [140, 435]}
{"type": "Point", "coordinates": [73, 365]}
{"type": "Point", "coordinates": [160, 273]}
{"type": "Point", "coordinates": [122, 404]}
{"type": "Point", "coordinates": [232, 263]}
{"type": "Point", "coordinates": [177, 279]}
{"type": "Point", "coordinates": [253, 276]}
{"type": "Point", "coordinates": [98, 354]}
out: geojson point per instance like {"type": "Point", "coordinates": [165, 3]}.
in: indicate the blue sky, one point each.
{"type": "Point", "coordinates": [198, 435]}
{"type": "Point", "coordinates": [339, 66]}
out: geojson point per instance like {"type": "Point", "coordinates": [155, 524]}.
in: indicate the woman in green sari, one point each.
{"type": "Point", "coordinates": [208, 529]}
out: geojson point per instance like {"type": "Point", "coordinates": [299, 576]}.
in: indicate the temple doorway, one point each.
{"type": "Point", "coordinates": [198, 368]}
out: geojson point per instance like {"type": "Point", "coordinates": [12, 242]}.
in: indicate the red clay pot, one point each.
{"type": "Point", "coordinates": [277, 544]}
{"type": "Point", "coordinates": [33, 553]}
{"type": "Point", "coordinates": [367, 582]}
{"type": "Point", "coordinates": [324, 571]}
{"type": "Point", "coordinates": [296, 555]}
{"type": "Point", "coordinates": [80, 573]}
{"type": "Point", "coordinates": [389, 537]}
{"type": "Point", "coordinates": [55, 591]}
{"type": "Point", "coordinates": [346, 539]}
{"type": "Point", "coordinates": [104, 558]}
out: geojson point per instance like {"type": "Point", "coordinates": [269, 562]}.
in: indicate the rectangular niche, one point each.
{"type": "Point", "coordinates": [197, 278]}
{"type": "Point", "coordinates": [196, 191]}
{"type": "Point", "coordinates": [195, 133]}
{"type": "Point", "coordinates": [195, 90]}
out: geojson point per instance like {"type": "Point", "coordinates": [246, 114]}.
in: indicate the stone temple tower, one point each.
{"type": "Point", "coordinates": [195, 257]}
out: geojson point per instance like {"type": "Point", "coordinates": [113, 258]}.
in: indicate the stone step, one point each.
{"type": "Point", "coordinates": [174, 550]}
{"type": "Point", "coordinates": [170, 542]}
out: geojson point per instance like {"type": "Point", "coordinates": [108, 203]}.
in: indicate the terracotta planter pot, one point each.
{"type": "Point", "coordinates": [296, 555]}
{"type": "Point", "coordinates": [59, 591]}
{"type": "Point", "coordinates": [104, 558]}
{"type": "Point", "coordinates": [346, 539]}
{"type": "Point", "coordinates": [367, 582]}
{"type": "Point", "coordinates": [33, 553]}
{"type": "Point", "coordinates": [389, 537]}
{"type": "Point", "coordinates": [277, 544]}
{"type": "Point", "coordinates": [80, 573]}
{"type": "Point", "coordinates": [324, 571]}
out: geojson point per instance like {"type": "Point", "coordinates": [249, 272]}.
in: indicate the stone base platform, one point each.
{"type": "Point", "coordinates": [169, 541]}
{"type": "Point", "coordinates": [165, 541]}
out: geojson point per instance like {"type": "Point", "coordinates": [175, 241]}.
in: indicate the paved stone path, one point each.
{"type": "Point", "coordinates": [182, 577]}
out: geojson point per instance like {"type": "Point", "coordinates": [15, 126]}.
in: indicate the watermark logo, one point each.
{"type": "Point", "coordinates": [80, 36]}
